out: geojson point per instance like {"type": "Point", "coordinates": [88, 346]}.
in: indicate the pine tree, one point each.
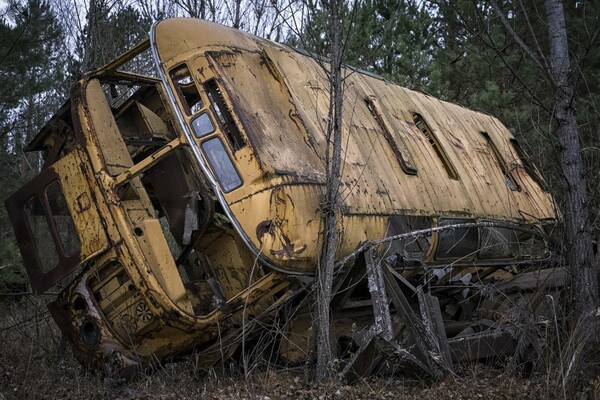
{"type": "Point", "coordinates": [31, 70]}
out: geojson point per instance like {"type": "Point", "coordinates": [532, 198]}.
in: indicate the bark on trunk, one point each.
{"type": "Point", "coordinates": [237, 14]}
{"type": "Point", "coordinates": [324, 368]}
{"type": "Point", "coordinates": [579, 252]}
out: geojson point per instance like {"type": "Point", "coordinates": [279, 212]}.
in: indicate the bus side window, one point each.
{"type": "Point", "coordinates": [51, 227]}
{"type": "Point", "coordinates": [186, 89]}
{"type": "Point", "coordinates": [47, 254]}
{"type": "Point", "coordinates": [202, 125]}
{"type": "Point", "coordinates": [221, 164]}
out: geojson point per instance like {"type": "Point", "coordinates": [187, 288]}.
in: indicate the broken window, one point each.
{"type": "Point", "coordinates": [435, 145]}
{"type": "Point", "coordinates": [186, 89]}
{"type": "Point", "coordinates": [117, 94]}
{"type": "Point", "coordinates": [498, 243]}
{"type": "Point", "coordinates": [202, 125]}
{"type": "Point", "coordinates": [409, 249]}
{"type": "Point", "coordinates": [456, 242]}
{"type": "Point", "coordinates": [221, 164]}
{"type": "Point", "coordinates": [52, 228]}
{"type": "Point", "coordinates": [61, 218]}
{"type": "Point", "coordinates": [42, 235]}
{"type": "Point", "coordinates": [508, 177]}
{"type": "Point", "coordinates": [223, 115]}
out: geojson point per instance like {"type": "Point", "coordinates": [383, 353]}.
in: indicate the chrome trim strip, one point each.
{"type": "Point", "coordinates": [215, 185]}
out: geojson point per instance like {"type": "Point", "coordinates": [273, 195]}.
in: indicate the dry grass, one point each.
{"type": "Point", "coordinates": [31, 368]}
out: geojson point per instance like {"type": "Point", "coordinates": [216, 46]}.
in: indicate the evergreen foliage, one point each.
{"type": "Point", "coordinates": [388, 38]}
{"type": "Point", "coordinates": [31, 71]}
{"type": "Point", "coordinates": [480, 66]}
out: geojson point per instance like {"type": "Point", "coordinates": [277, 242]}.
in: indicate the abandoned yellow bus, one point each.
{"type": "Point", "coordinates": [181, 207]}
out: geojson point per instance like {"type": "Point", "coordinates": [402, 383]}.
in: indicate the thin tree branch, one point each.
{"type": "Point", "coordinates": [491, 45]}
{"type": "Point", "coordinates": [515, 36]}
{"type": "Point", "coordinates": [534, 37]}
{"type": "Point", "coordinates": [514, 73]}
{"type": "Point", "coordinates": [579, 63]}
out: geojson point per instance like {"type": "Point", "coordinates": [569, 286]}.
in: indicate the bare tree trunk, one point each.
{"type": "Point", "coordinates": [325, 355]}
{"type": "Point", "coordinates": [237, 16]}
{"type": "Point", "coordinates": [193, 8]}
{"type": "Point", "coordinates": [202, 9]}
{"type": "Point", "coordinates": [580, 255]}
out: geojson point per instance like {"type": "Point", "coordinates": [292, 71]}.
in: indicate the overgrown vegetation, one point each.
{"type": "Point", "coordinates": [35, 366]}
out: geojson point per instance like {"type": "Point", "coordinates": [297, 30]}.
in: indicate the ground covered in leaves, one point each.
{"type": "Point", "coordinates": [32, 367]}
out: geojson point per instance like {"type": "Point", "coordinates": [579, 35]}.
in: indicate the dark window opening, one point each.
{"type": "Point", "coordinates": [186, 89]}
{"type": "Point", "coordinates": [508, 177]}
{"type": "Point", "coordinates": [413, 249]}
{"type": "Point", "coordinates": [221, 164]}
{"type": "Point", "coordinates": [458, 242]}
{"type": "Point", "coordinates": [47, 254]}
{"type": "Point", "coordinates": [223, 115]}
{"type": "Point", "coordinates": [403, 159]}
{"type": "Point", "coordinates": [62, 220]}
{"type": "Point", "coordinates": [498, 243]}
{"type": "Point", "coordinates": [529, 167]}
{"type": "Point", "coordinates": [435, 144]}
{"type": "Point", "coordinates": [117, 94]}
{"type": "Point", "coordinates": [52, 228]}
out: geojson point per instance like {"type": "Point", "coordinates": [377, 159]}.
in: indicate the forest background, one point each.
{"type": "Point", "coordinates": [464, 51]}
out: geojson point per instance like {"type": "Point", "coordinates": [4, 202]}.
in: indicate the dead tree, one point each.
{"type": "Point", "coordinates": [331, 202]}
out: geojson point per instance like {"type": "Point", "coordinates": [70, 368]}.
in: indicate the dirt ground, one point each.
{"type": "Point", "coordinates": [32, 368]}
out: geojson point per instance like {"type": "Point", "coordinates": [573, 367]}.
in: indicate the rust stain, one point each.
{"type": "Point", "coordinates": [265, 227]}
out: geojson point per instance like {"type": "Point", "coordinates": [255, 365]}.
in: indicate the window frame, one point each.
{"type": "Point", "coordinates": [226, 128]}
{"type": "Point", "coordinates": [435, 144]}
{"type": "Point", "coordinates": [180, 95]}
{"type": "Point", "coordinates": [202, 112]}
{"type": "Point", "coordinates": [452, 221]}
{"type": "Point", "coordinates": [15, 205]}
{"type": "Point", "coordinates": [403, 156]}
{"type": "Point", "coordinates": [212, 167]}
{"type": "Point", "coordinates": [40, 253]}
{"type": "Point", "coordinates": [72, 229]}
{"type": "Point", "coordinates": [61, 252]}
{"type": "Point", "coordinates": [506, 173]}
{"type": "Point", "coordinates": [529, 167]}
{"type": "Point", "coordinates": [481, 251]}
{"type": "Point", "coordinates": [229, 126]}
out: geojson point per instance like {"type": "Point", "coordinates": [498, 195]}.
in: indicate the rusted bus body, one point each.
{"type": "Point", "coordinates": [191, 203]}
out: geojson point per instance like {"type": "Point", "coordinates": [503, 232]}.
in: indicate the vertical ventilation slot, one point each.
{"type": "Point", "coordinates": [435, 145]}
{"type": "Point", "coordinates": [529, 167]}
{"type": "Point", "coordinates": [399, 149]}
{"type": "Point", "coordinates": [508, 177]}
{"type": "Point", "coordinates": [223, 115]}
